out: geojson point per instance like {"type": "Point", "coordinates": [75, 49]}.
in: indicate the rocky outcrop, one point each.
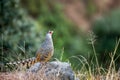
{"type": "Point", "coordinates": [52, 71]}
{"type": "Point", "coordinates": [55, 70]}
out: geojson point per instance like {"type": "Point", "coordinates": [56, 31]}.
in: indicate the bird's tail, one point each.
{"type": "Point", "coordinates": [26, 63]}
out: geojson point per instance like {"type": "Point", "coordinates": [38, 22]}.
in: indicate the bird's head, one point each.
{"type": "Point", "coordinates": [49, 34]}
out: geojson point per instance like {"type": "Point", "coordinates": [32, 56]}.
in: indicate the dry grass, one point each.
{"type": "Point", "coordinates": [22, 75]}
{"type": "Point", "coordinates": [99, 73]}
{"type": "Point", "coordinates": [111, 76]}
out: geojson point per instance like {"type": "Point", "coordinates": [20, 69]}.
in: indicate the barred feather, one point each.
{"type": "Point", "coordinates": [27, 62]}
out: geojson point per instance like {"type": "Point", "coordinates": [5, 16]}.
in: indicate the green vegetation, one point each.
{"type": "Point", "coordinates": [17, 35]}
{"type": "Point", "coordinates": [107, 32]}
{"type": "Point", "coordinates": [20, 36]}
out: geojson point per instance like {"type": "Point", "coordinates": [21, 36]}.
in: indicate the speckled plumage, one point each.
{"type": "Point", "coordinates": [43, 54]}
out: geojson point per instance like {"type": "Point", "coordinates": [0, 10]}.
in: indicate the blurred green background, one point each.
{"type": "Point", "coordinates": [24, 24]}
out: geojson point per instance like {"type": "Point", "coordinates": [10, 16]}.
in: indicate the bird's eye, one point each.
{"type": "Point", "coordinates": [50, 32]}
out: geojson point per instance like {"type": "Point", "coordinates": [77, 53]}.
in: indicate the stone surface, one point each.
{"type": "Point", "coordinates": [55, 70]}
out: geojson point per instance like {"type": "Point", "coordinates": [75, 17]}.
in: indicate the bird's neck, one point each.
{"type": "Point", "coordinates": [49, 39]}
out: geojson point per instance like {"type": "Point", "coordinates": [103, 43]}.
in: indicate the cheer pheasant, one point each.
{"type": "Point", "coordinates": [43, 54]}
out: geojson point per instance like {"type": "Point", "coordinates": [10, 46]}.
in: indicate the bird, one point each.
{"type": "Point", "coordinates": [43, 54]}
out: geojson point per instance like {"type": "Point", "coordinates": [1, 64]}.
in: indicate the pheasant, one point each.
{"type": "Point", "coordinates": [43, 54]}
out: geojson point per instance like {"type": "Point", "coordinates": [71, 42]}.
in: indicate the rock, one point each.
{"type": "Point", "coordinates": [35, 67]}
{"type": "Point", "coordinates": [55, 70]}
